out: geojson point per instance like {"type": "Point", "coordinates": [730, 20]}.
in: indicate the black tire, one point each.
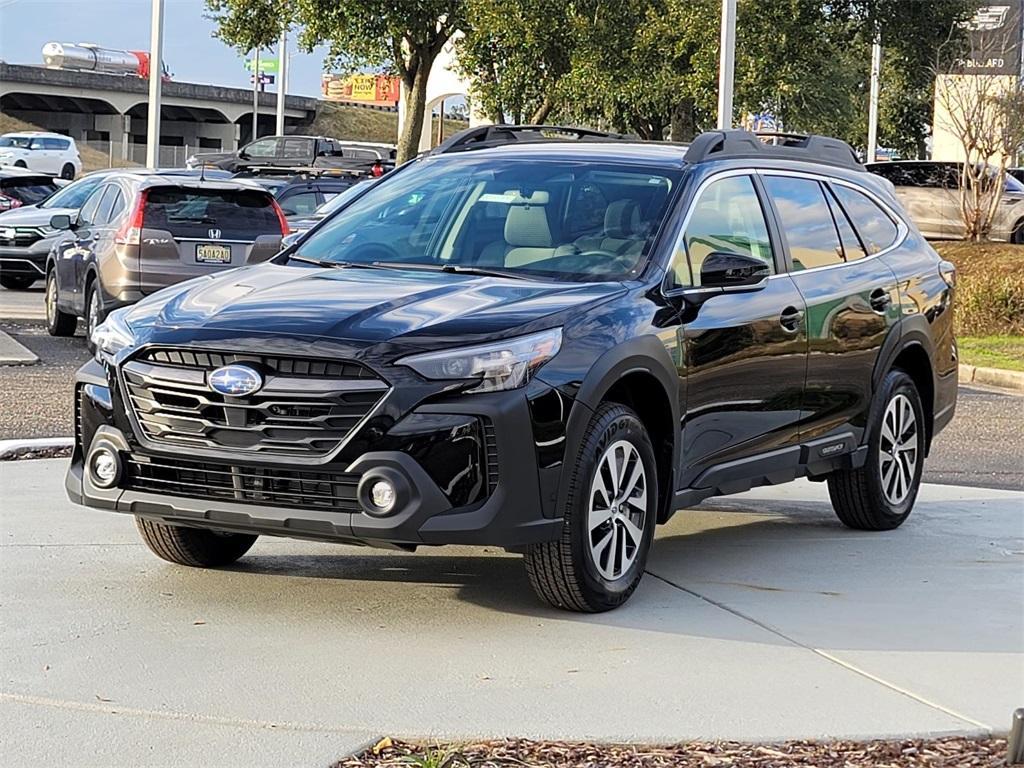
{"type": "Point", "coordinates": [58, 323]}
{"type": "Point", "coordinates": [863, 498]}
{"type": "Point", "coordinates": [1017, 235]}
{"type": "Point", "coordinates": [20, 164]}
{"type": "Point", "coordinates": [67, 172]}
{"type": "Point", "coordinates": [16, 282]}
{"type": "Point", "coordinates": [194, 547]}
{"type": "Point", "coordinates": [566, 573]}
{"type": "Point", "coordinates": [93, 315]}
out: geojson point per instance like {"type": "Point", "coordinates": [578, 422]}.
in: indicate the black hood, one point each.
{"type": "Point", "coordinates": [363, 305]}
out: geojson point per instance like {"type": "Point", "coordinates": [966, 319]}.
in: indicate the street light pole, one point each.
{"type": "Point", "coordinates": [876, 69]}
{"type": "Point", "coordinates": [256, 95]}
{"type": "Point", "coordinates": [156, 72]}
{"type": "Point", "coordinates": [726, 64]}
{"type": "Point", "coordinates": [282, 81]}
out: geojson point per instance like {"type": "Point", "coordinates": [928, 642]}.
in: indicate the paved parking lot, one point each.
{"type": "Point", "coordinates": [760, 618]}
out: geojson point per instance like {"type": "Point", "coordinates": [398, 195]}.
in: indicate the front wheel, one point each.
{"type": "Point", "coordinates": [195, 547]}
{"type": "Point", "coordinates": [58, 323]}
{"type": "Point", "coordinates": [608, 519]}
{"type": "Point", "coordinates": [880, 495]}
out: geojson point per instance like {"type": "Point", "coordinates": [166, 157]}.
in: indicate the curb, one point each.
{"type": "Point", "coordinates": [13, 448]}
{"type": "Point", "coordinates": [992, 377]}
{"type": "Point", "coordinates": [13, 353]}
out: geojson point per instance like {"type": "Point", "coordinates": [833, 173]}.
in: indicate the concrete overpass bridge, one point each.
{"type": "Point", "coordinates": [90, 106]}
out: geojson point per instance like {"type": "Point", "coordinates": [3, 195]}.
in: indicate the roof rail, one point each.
{"type": "Point", "coordinates": [727, 145]}
{"type": "Point", "coordinates": [484, 136]}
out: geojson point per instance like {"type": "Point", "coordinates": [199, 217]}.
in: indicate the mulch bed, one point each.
{"type": "Point", "coordinates": [908, 753]}
{"type": "Point", "coordinates": [38, 453]}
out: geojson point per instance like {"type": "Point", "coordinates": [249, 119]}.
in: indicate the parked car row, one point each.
{"type": "Point", "coordinates": [519, 340]}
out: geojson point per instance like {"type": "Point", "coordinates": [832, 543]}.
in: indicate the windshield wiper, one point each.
{"type": "Point", "coordinates": [327, 263]}
{"type": "Point", "coordinates": [193, 219]}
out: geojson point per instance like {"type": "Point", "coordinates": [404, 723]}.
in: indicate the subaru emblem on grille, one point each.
{"type": "Point", "coordinates": [214, 234]}
{"type": "Point", "coordinates": [235, 380]}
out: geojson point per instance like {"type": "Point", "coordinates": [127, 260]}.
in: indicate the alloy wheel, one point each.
{"type": "Point", "coordinates": [897, 450]}
{"type": "Point", "coordinates": [93, 314]}
{"type": "Point", "coordinates": [617, 509]}
{"type": "Point", "coordinates": [51, 301]}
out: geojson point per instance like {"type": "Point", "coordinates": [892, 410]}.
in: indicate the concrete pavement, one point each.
{"type": "Point", "coordinates": [760, 618]}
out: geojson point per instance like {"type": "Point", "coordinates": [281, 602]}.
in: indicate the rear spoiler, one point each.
{"type": "Point", "coordinates": [308, 172]}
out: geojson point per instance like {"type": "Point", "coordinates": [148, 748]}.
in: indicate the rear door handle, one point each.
{"type": "Point", "coordinates": [791, 318]}
{"type": "Point", "coordinates": [880, 300]}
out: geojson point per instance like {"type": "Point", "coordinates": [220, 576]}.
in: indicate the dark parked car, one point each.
{"type": "Point", "coordinates": [288, 153]}
{"type": "Point", "coordinates": [26, 235]}
{"type": "Point", "coordinates": [139, 232]}
{"type": "Point", "coordinates": [303, 196]}
{"type": "Point", "coordinates": [544, 346]}
{"type": "Point", "coordinates": [20, 187]}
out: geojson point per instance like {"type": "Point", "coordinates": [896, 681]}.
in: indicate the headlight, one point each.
{"type": "Point", "coordinates": [502, 365]}
{"type": "Point", "coordinates": [112, 335]}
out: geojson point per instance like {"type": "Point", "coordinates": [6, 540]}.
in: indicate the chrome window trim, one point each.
{"type": "Point", "coordinates": [901, 226]}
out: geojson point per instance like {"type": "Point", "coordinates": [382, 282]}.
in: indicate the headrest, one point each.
{"type": "Point", "coordinates": [527, 227]}
{"type": "Point", "coordinates": [622, 219]}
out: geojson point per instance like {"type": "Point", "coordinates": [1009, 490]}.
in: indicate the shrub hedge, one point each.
{"type": "Point", "coordinates": [990, 287]}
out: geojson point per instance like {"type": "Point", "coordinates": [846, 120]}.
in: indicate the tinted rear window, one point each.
{"type": "Point", "coordinates": [29, 190]}
{"type": "Point", "coordinates": [237, 213]}
{"type": "Point", "coordinates": [876, 229]}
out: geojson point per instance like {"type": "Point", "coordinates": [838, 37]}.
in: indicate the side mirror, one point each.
{"type": "Point", "coordinates": [291, 239]}
{"type": "Point", "coordinates": [243, 155]}
{"type": "Point", "coordinates": [62, 221]}
{"type": "Point", "coordinates": [732, 270]}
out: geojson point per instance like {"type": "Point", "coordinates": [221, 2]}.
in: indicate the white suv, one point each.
{"type": "Point", "coordinates": [43, 152]}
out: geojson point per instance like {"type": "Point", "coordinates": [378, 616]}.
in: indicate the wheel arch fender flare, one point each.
{"type": "Point", "coordinates": [644, 355]}
{"type": "Point", "coordinates": [910, 333]}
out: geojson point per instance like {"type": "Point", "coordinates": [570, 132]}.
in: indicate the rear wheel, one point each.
{"type": "Point", "coordinates": [880, 495]}
{"type": "Point", "coordinates": [58, 323]}
{"type": "Point", "coordinates": [20, 164]}
{"type": "Point", "coordinates": [1017, 236]}
{"type": "Point", "coordinates": [609, 518]}
{"type": "Point", "coordinates": [67, 172]}
{"type": "Point", "coordinates": [194, 547]}
{"type": "Point", "coordinates": [16, 282]}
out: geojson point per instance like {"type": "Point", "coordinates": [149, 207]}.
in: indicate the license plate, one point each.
{"type": "Point", "coordinates": [213, 254]}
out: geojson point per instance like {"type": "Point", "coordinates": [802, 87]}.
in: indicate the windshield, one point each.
{"type": "Point", "coordinates": [561, 219]}
{"type": "Point", "coordinates": [74, 194]}
{"type": "Point", "coordinates": [21, 142]}
{"type": "Point", "coordinates": [1014, 185]}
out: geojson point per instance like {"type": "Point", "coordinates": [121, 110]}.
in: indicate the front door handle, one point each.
{"type": "Point", "coordinates": [791, 318]}
{"type": "Point", "coordinates": [880, 300]}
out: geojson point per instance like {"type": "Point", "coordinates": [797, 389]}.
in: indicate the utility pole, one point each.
{"type": "Point", "coordinates": [156, 72]}
{"type": "Point", "coordinates": [876, 69]}
{"type": "Point", "coordinates": [256, 95]}
{"type": "Point", "coordinates": [282, 81]}
{"type": "Point", "coordinates": [726, 64]}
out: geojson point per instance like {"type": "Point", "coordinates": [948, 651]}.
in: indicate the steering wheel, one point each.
{"type": "Point", "coordinates": [373, 252]}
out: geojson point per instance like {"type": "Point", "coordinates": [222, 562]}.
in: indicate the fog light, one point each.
{"type": "Point", "coordinates": [105, 467]}
{"type": "Point", "coordinates": [382, 494]}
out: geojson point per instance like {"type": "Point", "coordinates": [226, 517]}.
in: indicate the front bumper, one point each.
{"type": "Point", "coordinates": [23, 262]}
{"type": "Point", "coordinates": [429, 510]}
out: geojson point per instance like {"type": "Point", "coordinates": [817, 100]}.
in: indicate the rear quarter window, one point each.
{"type": "Point", "coordinates": [239, 214]}
{"type": "Point", "coordinates": [876, 228]}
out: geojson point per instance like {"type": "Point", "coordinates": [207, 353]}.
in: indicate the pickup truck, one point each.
{"type": "Point", "coordinates": [292, 153]}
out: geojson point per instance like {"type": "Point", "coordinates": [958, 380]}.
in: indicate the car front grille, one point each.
{"type": "Point", "coordinates": [268, 486]}
{"type": "Point", "coordinates": [305, 408]}
{"type": "Point", "coordinates": [23, 236]}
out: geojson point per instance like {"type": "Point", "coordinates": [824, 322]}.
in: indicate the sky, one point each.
{"type": "Point", "coordinates": [190, 50]}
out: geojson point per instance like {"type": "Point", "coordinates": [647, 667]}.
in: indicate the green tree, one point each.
{"type": "Point", "coordinates": [249, 25]}
{"type": "Point", "coordinates": [516, 55]}
{"type": "Point", "coordinates": [403, 36]}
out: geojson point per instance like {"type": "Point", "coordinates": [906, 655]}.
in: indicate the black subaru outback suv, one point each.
{"type": "Point", "coordinates": [538, 344]}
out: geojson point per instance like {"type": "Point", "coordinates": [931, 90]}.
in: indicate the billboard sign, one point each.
{"type": "Point", "coordinates": [381, 90]}
{"type": "Point", "coordinates": [995, 37]}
